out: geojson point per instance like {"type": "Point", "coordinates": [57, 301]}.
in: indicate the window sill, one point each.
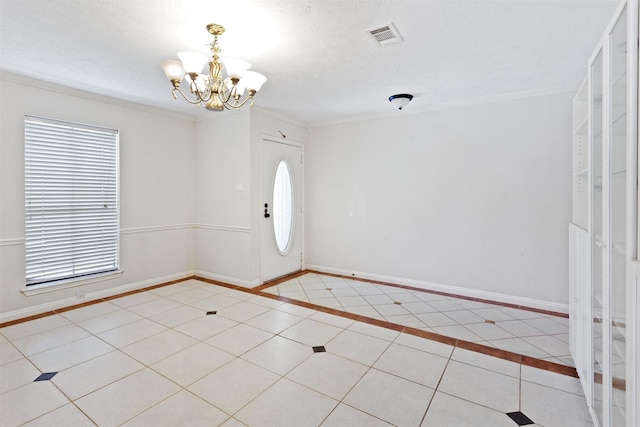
{"type": "Point", "coordinates": [69, 283]}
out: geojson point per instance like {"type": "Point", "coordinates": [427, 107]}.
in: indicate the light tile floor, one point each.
{"type": "Point", "coordinates": [530, 333]}
{"type": "Point", "coordinates": [156, 358]}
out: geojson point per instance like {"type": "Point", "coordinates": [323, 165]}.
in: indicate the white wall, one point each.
{"type": "Point", "coordinates": [476, 198]}
{"type": "Point", "coordinates": [229, 192]}
{"type": "Point", "coordinates": [156, 190]}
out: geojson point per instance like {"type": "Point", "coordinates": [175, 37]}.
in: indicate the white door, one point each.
{"type": "Point", "coordinates": [281, 208]}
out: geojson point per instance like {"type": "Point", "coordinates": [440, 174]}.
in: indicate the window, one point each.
{"type": "Point", "coordinates": [71, 200]}
{"type": "Point", "coordinates": [283, 207]}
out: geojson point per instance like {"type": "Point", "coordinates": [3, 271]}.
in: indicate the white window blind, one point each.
{"type": "Point", "coordinates": [71, 200]}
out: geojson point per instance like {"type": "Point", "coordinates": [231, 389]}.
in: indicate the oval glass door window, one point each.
{"type": "Point", "coordinates": [283, 207]}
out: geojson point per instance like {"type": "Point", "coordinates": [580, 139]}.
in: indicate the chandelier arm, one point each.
{"type": "Point", "coordinates": [186, 98]}
{"type": "Point", "coordinates": [238, 105]}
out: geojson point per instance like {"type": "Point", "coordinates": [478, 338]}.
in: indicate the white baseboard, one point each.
{"type": "Point", "coordinates": [457, 290]}
{"type": "Point", "coordinates": [90, 296]}
{"type": "Point", "coordinates": [228, 279]}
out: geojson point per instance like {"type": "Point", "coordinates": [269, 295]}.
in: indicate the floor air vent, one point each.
{"type": "Point", "coordinates": [385, 34]}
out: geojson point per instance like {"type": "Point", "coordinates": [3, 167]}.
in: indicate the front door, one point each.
{"type": "Point", "coordinates": [281, 209]}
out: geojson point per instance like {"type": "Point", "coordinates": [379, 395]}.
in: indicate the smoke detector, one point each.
{"type": "Point", "coordinates": [385, 34]}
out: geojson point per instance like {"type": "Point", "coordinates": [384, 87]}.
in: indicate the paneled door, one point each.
{"type": "Point", "coordinates": [281, 209]}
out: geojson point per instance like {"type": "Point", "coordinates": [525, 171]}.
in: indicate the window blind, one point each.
{"type": "Point", "coordinates": [71, 200]}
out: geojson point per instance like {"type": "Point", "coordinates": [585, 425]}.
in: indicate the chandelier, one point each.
{"type": "Point", "coordinates": [209, 89]}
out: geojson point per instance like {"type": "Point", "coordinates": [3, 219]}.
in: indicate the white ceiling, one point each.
{"type": "Point", "coordinates": [321, 63]}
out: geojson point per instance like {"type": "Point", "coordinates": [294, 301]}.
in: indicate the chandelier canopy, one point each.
{"type": "Point", "coordinates": [210, 89]}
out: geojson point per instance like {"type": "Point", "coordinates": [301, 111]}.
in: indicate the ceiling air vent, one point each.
{"type": "Point", "coordinates": [385, 34]}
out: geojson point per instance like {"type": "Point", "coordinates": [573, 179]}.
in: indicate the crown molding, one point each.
{"type": "Point", "coordinates": [451, 105]}
{"type": "Point", "coordinates": [79, 93]}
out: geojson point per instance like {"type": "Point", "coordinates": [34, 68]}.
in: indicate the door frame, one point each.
{"type": "Point", "coordinates": [266, 139]}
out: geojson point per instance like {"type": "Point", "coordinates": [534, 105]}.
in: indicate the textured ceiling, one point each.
{"type": "Point", "coordinates": [321, 63]}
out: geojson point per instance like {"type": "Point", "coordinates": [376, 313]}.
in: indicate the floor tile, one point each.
{"type": "Point", "coordinates": [65, 416]}
{"type": "Point", "coordinates": [351, 301]}
{"type": "Point", "coordinates": [20, 330]}
{"type": "Point", "coordinates": [29, 402]}
{"type": "Point", "coordinates": [519, 328]}
{"type": "Point", "coordinates": [357, 347]}
{"type": "Point", "coordinates": [134, 299]}
{"type": "Point", "coordinates": [549, 344]}
{"type": "Point", "coordinates": [363, 310]}
{"type": "Point", "coordinates": [374, 331]}
{"type": "Point", "coordinates": [481, 386]}
{"type": "Point", "coordinates": [190, 295]}
{"type": "Point", "coordinates": [155, 306]}
{"type": "Point", "coordinates": [274, 321]}
{"type": "Point", "coordinates": [344, 415]}
{"type": "Point", "coordinates": [167, 291]}
{"type": "Point", "coordinates": [110, 320]}
{"type": "Point", "coordinates": [235, 384]}
{"type": "Point", "coordinates": [433, 347]}
{"type": "Point", "coordinates": [232, 422]}
{"type": "Point", "coordinates": [392, 309]}
{"type": "Point", "coordinates": [8, 353]}
{"type": "Point", "coordinates": [311, 332]}
{"type": "Point", "coordinates": [65, 356]}
{"type": "Point", "coordinates": [204, 326]}
{"type": "Point", "coordinates": [518, 345]}
{"type": "Point", "coordinates": [418, 307]}
{"type": "Point", "coordinates": [407, 320]}
{"type": "Point", "coordinates": [131, 332]}
{"type": "Point", "coordinates": [390, 398]}
{"type": "Point", "coordinates": [551, 407]}
{"type": "Point", "coordinates": [269, 354]}
{"type": "Point", "coordinates": [239, 339]}
{"type": "Point", "coordinates": [16, 374]}
{"type": "Point", "coordinates": [47, 340]}
{"type": "Point", "coordinates": [411, 364]}
{"type": "Point", "coordinates": [521, 314]}
{"type": "Point", "coordinates": [296, 295]}
{"type": "Point", "coordinates": [446, 410]}
{"type": "Point", "coordinates": [159, 346]}
{"type": "Point", "coordinates": [378, 299]}
{"type": "Point", "coordinates": [297, 310]}
{"type": "Point", "coordinates": [319, 293]}
{"type": "Point", "coordinates": [552, 380]}
{"type": "Point", "coordinates": [93, 374]}
{"type": "Point", "coordinates": [548, 326]}
{"type": "Point", "coordinates": [436, 319]}
{"type": "Point", "coordinates": [445, 305]}
{"type": "Point", "coordinates": [457, 331]}
{"type": "Point", "coordinates": [120, 401]}
{"type": "Point", "coordinates": [267, 302]}
{"type": "Point", "coordinates": [90, 311]}
{"type": "Point", "coordinates": [304, 407]}
{"type": "Point", "coordinates": [192, 363]}
{"type": "Point", "coordinates": [464, 317]}
{"type": "Point", "coordinates": [485, 361]}
{"type": "Point", "coordinates": [242, 311]}
{"type": "Point", "coordinates": [328, 374]}
{"type": "Point", "coordinates": [181, 409]}
{"type": "Point", "coordinates": [330, 319]}
{"type": "Point", "coordinates": [494, 314]}
{"type": "Point", "coordinates": [177, 316]}
{"type": "Point", "coordinates": [488, 331]}
{"type": "Point", "coordinates": [236, 366]}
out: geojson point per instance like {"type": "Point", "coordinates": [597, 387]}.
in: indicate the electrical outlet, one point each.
{"type": "Point", "coordinates": [79, 293]}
